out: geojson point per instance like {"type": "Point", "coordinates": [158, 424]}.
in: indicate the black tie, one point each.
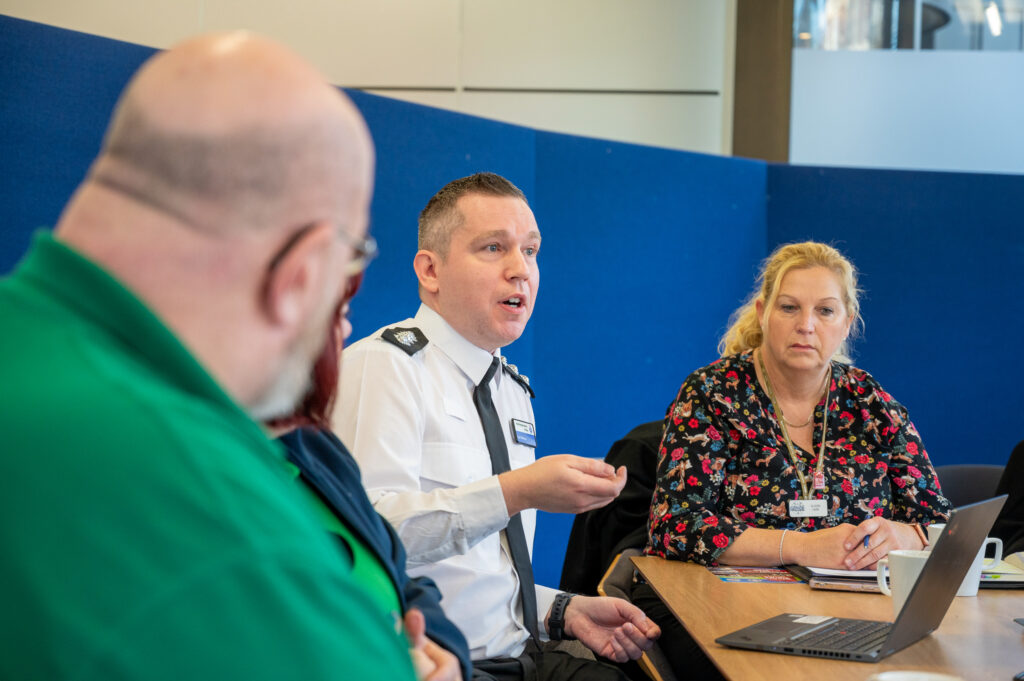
{"type": "Point", "coordinates": [499, 464]}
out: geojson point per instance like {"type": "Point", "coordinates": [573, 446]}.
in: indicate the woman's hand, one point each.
{"type": "Point", "coordinates": [882, 537]}
{"type": "Point", "coordinates": [842, 547]}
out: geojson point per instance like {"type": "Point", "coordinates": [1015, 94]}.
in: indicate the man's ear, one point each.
{"type": "Point", "coordinates": [295, 283]}
{"type": "Point", "coordinates": [426, 264]}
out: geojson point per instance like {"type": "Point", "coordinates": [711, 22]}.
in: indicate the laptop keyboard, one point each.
{"type": "Point", "coordinates": [845, 634]}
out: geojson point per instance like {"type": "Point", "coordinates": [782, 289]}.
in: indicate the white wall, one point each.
{"type": "Point", "coordinates": [935, 110]}
{"type": "Point", "coordinates": [631, 70]}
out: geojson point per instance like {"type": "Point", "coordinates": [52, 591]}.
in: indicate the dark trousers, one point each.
{"type": "Point", "coordinates": [540, 663]}
{"type": "Point", "coordinates": [684, 654]}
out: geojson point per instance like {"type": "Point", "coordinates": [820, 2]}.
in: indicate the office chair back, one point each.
{"type": "Point", "coordinates": [965, 483]}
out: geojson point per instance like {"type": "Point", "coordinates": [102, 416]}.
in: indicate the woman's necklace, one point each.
{"type": "Point", "coordinates": [810, 417]}
{"type": "Point", "coordinates": [798, 425]}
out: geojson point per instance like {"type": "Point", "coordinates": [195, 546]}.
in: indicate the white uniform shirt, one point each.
{"type": "Point", "coordinates": [411, 424]}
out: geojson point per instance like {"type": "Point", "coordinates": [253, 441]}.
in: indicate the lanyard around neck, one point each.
{"type": "Point", "coordinates": [820, 467]}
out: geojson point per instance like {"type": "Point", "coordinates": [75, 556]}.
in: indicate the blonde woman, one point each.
{"type": "Point", "coordinates": [781, 451]}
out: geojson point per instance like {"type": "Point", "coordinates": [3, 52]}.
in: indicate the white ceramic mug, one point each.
{"type": "Point", "coordinates": [969, 587]}
{"type": "Point", "coordinates": [904, 567]}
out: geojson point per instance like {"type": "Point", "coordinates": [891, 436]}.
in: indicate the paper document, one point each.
{"type": "Point", "coordinates": [1011, 565]}
{"type": "Point", "coordinates": [851, 574]}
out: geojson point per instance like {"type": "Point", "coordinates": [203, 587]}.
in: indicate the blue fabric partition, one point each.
{"type": "Point", "coordinates": [941, 257]}
{"type": "Point", "coordinates": [57, 89]}
{"type": "Point", "coordinates": [646, 251]}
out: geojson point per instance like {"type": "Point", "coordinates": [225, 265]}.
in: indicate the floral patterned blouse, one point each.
{"type": "Point", "coordinates": [724, 465]}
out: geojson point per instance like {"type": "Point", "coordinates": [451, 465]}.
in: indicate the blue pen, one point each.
{"type": "Point", "coordinates": [866, 538]}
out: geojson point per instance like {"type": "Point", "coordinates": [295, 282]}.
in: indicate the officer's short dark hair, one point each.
{"type": "Point", "coordinates": [440, 217]}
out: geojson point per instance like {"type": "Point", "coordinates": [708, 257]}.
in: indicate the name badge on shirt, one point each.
{"type": "Point", "coordinates": [524, 433]}
{"type": "Point", "coordinates": [808, 508]}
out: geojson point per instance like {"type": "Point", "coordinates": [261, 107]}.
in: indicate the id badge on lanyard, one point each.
{"type": "Point", "coordinates": [808, 508]}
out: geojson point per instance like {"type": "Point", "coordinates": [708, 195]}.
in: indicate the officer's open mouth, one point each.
{"type": "Point", "coordinates": [514, 301]}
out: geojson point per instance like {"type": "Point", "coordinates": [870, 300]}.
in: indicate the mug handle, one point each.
{"type": "Point", "coordinates": [989, 563]}
{"type": "Point", "coordinates": [881, 572]}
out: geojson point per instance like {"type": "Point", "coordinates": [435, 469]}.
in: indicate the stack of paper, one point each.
{"type": "Point", "coordinates": [837, 580]}
{"type": "Point", "coordinates": [1007, 574]}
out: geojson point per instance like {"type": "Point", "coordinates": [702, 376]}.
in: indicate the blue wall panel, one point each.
{"type": "Point", "coordinates": [941, 257]}
{"type": "Point", "coordinates": [58, 89]}
{"type": "Point", "coordinates": [645, 253]}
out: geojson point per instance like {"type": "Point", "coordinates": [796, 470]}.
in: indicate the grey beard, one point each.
{"type": "Point", "coordinates": [295, 378]}
{"type": "Point", "coordinates": [285, 392]}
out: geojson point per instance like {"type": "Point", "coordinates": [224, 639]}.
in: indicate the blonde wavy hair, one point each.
{"type": "Point", "coordinates": [745, 332]}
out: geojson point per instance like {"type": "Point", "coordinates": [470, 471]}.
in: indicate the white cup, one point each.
{"type": "Point", "coordinates": [904, 567]}
{"type": "Point", "coordinates": [969, 587]}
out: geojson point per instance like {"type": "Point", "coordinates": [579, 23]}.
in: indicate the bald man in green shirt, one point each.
{"type": "Point", "coordinates": [149, 528]}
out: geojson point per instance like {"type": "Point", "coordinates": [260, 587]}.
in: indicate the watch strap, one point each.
{"type": "Point", "coordinates": [556, 620]}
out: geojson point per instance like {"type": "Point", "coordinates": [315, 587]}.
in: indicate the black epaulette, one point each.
{"type": "Point", "coordinates": [410, 340]}
{"type": "Point", "coordinates": [519, 378]}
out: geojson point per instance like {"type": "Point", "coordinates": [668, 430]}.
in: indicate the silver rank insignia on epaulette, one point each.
{"type": "Point", "coordinates": [519, 378]}
{"type": "Point", "coordinates": [406, 338]}
{"type": "Point", "coordinates": [410, 340]}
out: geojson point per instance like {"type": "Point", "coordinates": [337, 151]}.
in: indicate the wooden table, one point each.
{"type": "Point", "coordinates": [977, 640]}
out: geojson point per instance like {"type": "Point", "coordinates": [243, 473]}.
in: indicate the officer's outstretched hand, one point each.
{"type": "Point", "coordinates": [611, 627]}
{"type": "Point", "coordinates": [562, 483]}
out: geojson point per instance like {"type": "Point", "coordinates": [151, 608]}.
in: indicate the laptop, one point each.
{"type": "Point", "coordinates": [871, 640]}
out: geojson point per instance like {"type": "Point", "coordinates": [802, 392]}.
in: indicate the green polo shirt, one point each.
{"type": "Point", "coordinates": [148, 528]}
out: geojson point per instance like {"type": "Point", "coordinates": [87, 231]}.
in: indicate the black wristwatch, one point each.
{"type": "Point", "coordinates": [556, 620]}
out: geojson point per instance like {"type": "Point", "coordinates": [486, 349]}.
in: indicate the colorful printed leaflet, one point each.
{"type": "Point", "coordinates": [754, 574]}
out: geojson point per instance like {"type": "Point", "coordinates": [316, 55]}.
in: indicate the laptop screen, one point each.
{"type": "Point", "coordinates": [935, 588]}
